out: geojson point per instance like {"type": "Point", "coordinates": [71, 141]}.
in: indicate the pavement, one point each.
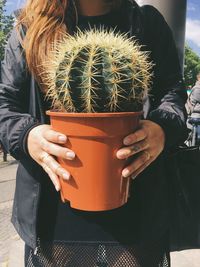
{"type": "Point", "coordinates": [12, 247]}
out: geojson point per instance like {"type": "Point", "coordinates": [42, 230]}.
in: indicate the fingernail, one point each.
{"type": "Point", "coordinates": [66, 176]}
{"type": "Point", "coordinates": [127, 141]}
{"type": "Point", "coordinates": [57, 188]}
{"type": "Point", "coordinates": [62, 138]}
{"type": "Point", "coordinates": [70, 155]}
{"type": "Point", "coordinates": [119, 154]}
{"type": "Point", "coordinates": [126, 173]}
{"type": "Point", "coordinates": [122, 155]}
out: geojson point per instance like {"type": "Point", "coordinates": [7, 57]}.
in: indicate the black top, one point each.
{"type": "Point", "coordinates": [110, 20]}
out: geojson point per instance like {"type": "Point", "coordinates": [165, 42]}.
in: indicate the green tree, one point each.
{"type": "Point", "coordinates": [192, 66]}
{"type": "Point", "coordinates": [6, 24]}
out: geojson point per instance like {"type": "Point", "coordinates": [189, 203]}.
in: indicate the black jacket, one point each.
{"type": "Point", "coordinates": [22, 107]}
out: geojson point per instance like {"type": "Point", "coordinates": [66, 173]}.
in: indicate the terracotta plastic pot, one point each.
{"type": "Point", "coordinates": [96, 183]}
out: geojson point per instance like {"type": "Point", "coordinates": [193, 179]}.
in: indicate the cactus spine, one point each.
{"type": "Point", "coordinates": [98, 71]}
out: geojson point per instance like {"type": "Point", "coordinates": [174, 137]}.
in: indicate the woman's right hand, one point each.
{"type": "Point", "coordinates": [44, 144]}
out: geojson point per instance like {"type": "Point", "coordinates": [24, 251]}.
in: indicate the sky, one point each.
{"type": "Point", "coordinates": [192, 23]}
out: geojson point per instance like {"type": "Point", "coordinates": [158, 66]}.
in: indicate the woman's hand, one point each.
{"type": "Point", "coordinates": [43, 145]}
{"type": "Point", "coordinates": [147, 143]}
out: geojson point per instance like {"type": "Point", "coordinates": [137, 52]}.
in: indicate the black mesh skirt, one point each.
{"type": "Point", "coordinates": [134, 235]}
{"type": "Point", "coordinates": [98, 254]}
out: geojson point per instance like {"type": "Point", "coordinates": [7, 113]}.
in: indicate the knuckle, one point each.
{"type": "Point", "coordinates": [48, 149]}
{"type": "Point", "coordinates": [43, 144]}
{"type": "Point", "coordinates": [53, 177]}
{"type": "Point", "coordinates": [136, 136]}
{"type": "Point", "coordinates": [58, 170]}
{"type": "Point", "coordinates": [144, 132]}
{"type": "Point", "coordinates": [50, 173]}
{"type": "Point", "coordinates": [145, 143]}
{"type": "Point", "coordinates": [139, 135]}
{"type": "Point", "coordinates": [51, 135]}
{"type": "Point", "coordinates": [135, 148]}
{"type": "Point", "coordinates": [58, 150]}
{"type": "Point", "coordinates": [144, 158]}
{"type": "Point", "coordinates": [54, 136]}
{"type": "Point", "coordinates": [132, 168]}
{"type": "Point", "coordinates": [42, 156]}
{"type": "Point", "coordinates": [53, 164]}
{"type": "Point", "coordinates": [46, 168]}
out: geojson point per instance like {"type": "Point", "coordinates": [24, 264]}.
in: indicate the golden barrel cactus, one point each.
{"type": "Point", "coordinates": [98, 71]}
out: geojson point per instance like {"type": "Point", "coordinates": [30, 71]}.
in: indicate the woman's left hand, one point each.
{"type": "Point", "coordinates": [146, 143]}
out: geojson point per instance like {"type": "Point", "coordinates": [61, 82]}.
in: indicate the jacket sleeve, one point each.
{"type": "Point", "coordinates": [14, 99]}
{"type": "Point", "coordinates": [168, 95]}
{"type": "Point", "coordinates": [194, 97]}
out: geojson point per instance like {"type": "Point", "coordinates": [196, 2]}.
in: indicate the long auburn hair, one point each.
{"type": "Point", "coordinates": [47, 22]}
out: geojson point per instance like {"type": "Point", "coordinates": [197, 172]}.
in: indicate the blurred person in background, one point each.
{"type": "Point", "coordinates": [193, 111]}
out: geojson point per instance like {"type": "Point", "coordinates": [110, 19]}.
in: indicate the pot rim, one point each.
{"type": "Point", "coordinates": [97, 114]}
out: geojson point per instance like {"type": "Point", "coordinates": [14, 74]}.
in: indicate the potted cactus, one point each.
{"type": "Point", "coordinates": [97, 81]}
